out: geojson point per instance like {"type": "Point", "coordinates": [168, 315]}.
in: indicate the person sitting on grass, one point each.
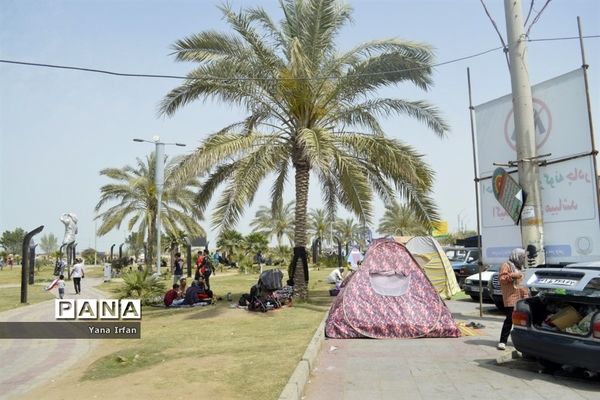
{"type": "Point", "coordinates": [191, 294]}
{"type": "Point", "coordinates": [173, 297]}
{"type": "Point", "coordinates": [204, 293]}
{"type": "Point", "coordinates": [182, 287]}
{"type": "Point", "coordinates": [336, 276]}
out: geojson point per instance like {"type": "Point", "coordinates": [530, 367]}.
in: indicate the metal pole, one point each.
{"type": "Point", "coordinates": [31, 261]}
{"type": "Point", "coordinates": [585, 67]}
{"type": "Point", "coordinates": [188, 247]}
{"type": "Point", "coordinates": [339, 246]}
{"type": "Point", "coordinates": [159, 182]}
{"type": "Point", "coordinates": [25, 261]}
{"type": "Point", "coordinates": [60, 252]}
{"type": "Point", "coordinates": [159, 177]}
{"type": "Point", "coordinates": [95, 242]}
{"type": "Point", "coordinates": [476, 181]}
{"type": "Point", "coordinates": [532, 231]}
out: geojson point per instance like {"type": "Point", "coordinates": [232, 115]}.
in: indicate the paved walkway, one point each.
{"type": "Point", "coordinates": [429, 369]}
{"type": "Point", "coordinates": [27, 363]}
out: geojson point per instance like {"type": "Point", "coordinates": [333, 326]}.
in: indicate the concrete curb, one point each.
{"type": "Point", "coordinates": [294, 389]}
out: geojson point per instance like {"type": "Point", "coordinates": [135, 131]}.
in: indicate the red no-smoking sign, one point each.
{"type": "Point", "coordinates": [542, 120]}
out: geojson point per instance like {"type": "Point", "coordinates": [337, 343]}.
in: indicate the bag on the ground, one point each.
{"type": "Point", "coordinates": [244, 300]}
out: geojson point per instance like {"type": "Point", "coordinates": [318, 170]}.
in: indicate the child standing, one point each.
{"type": "Point", "coordinates": [61, 286]}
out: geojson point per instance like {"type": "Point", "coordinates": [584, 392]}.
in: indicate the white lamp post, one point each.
{"type": "Point", "coordinates": [159, 181]}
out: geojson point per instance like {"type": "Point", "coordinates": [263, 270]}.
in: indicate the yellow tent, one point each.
{"type": "Point", "coordinates": [438, 268]}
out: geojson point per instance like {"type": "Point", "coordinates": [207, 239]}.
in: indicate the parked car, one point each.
{"type": "Point", "coordinates": [464, 260]}
{"type": "Point", "coordinates": [560, 325]}
{"type": "Point", "coordinates": [494, 289]}
{"type": "Point", "coordinates": [471, 286]}
{"type": "Point", "coordinates": [494, 285]}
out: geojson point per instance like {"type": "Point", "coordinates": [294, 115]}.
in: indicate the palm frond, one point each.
{"type": "Point", "coordinates": [281, 171]}
{"type": "Point", "coordinates": [210, 46]}
{"type": "Point", "coordinates": [354, 193]}
{"type": "Point", "coordinates": [362, 114]}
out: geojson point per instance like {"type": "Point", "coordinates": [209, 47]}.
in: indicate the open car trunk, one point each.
{"type": "Point", "coordinates": [560, 324]}
{"type": "Point", "coordinates": [570, 315]}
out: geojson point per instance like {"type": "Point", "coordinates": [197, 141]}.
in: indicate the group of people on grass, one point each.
{"type": "Point", "coordinates": [180, 294]}
{"type": "Point", "coordinates": [199, 291]}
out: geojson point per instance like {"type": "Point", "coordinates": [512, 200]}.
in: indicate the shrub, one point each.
{"type": "Point", "coordinates": [142, 285]}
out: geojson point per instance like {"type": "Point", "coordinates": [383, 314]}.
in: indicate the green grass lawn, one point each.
{"type": "Point", "coordinates": [43, 274]}
{"type": "Point", "coordinates": [10, 297]}
{"type": "Point", "coordinates": [208, 341]}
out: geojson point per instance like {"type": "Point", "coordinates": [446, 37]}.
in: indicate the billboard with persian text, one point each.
{"type": "Point", "coordinates": [568, 187]}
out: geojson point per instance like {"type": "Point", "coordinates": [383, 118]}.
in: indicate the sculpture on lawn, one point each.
{"type": "Point", "coordinates": [70, 221]}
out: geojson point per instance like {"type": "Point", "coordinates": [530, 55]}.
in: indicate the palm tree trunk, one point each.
{"type": "Point", "coordinates": [299, 258]}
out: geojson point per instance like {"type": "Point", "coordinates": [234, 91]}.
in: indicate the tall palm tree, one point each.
{"type": "Point", "coordinates": [347, 229]}
{"type": "Point", "coordinates": [135, 243]}
{"type": "Point", "coordinates": [311, 108]}
{"type": "Point", "coordinates": [134, 190]}
{"type": "Point", "coordinates": [319, 223]}
{"type": "Point", "coordinates": [231, 243]}
{"type": "Point", "coordinates": [400, 220]}
{"type": "Point", "coordinates": [278, 222]}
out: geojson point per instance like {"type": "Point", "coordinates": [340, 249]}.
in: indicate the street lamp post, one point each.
{"type": "Point", "coordinates": [159, 181]}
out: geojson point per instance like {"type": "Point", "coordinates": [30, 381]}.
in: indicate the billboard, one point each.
{"type": "Point", "coordinates": [568, 188]}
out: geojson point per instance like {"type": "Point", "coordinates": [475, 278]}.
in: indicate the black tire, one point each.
{"type": "Point", "coordinates": [474, 297]}
{"type": "Point", "coordinates": [548, 366]}
{"type": "Point", "coordinates": [527, 357]}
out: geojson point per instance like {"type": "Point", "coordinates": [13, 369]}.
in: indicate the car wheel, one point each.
{"type": "Point", "coordinates": [547, 366]}
{"type": "Point", "coordinates": [528, 357]}
{"type": "Point", "coordinates": [474, 297]}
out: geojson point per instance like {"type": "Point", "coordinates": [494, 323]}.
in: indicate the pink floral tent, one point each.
{"type": "Point", "coordinates": [389, 297]}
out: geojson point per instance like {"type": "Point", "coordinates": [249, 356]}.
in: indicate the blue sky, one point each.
{"type": "Point", "coordinates": [59, 128]}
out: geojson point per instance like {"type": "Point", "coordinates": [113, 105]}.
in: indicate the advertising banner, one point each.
{"type": "Point", "coordinates": [568, 188]}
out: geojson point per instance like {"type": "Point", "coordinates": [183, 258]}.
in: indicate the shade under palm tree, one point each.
{"type": "Point", "coordinates": [311, 108]}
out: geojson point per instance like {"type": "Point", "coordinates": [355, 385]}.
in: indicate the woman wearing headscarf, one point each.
{"type": "Point", "coordinates": [513, 289]}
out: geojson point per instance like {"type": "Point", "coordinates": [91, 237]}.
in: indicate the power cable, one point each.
{"type": "Point", "coordinates": [563, 38]}
{"type": "Point", "coordinates": [161, 76]}
{"type": "Point", "coordinates": [504, 46]}
{"type": "Point", "coordinates": [529, 12]}
{"type": "Point", "coordinates": [537, 17]}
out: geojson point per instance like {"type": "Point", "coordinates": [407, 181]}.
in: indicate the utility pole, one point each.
{"type": "Point", "coordinates": [95, 241]}
{"type": "Point", "coordinates": [159, 180]}
{"type": "Point", "coordinates": [532, 231]}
